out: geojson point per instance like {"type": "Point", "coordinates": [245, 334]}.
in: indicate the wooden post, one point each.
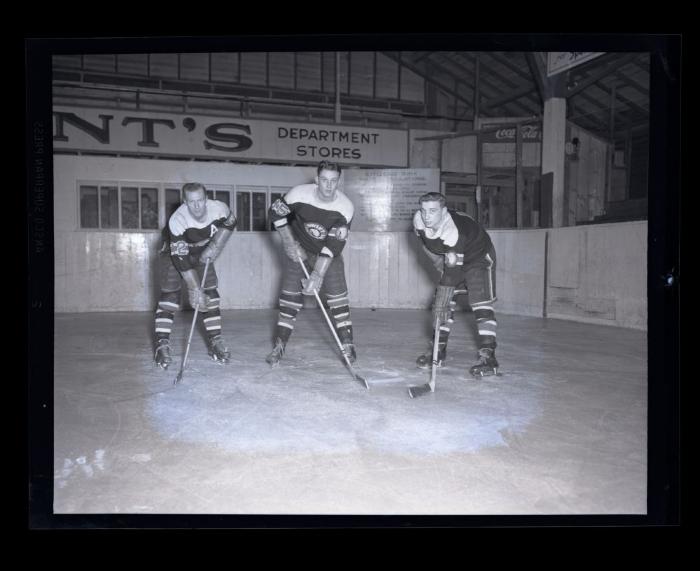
{"type": "Point", "coordinates": [337, 87]}
{"type": "Point", "coordinates": [628, 161]}
{"type": "Point", "coordinates": [519, 182]}
{"type": "Point", "coordinates": [475, 121]}
{"type": "Point", "coordinates": [611, 154]}
{"type": "Point", "coordinates": [479, 176]}
{"type": "Point", "coordinates": [477, 83]}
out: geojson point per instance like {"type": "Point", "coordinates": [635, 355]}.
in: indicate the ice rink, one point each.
{"type": "Point", "coordinates": [562, 431]}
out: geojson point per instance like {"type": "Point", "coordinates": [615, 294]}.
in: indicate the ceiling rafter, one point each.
{"type": "Point", "coordinates": [485, 70]}
{"type": "Point", "coordinates": [594, 77]}
{"type": "Point", "coordinates": [621, 98]}
{"type": "Point", "coordinates": [633, 83]}
{"type": "Point", "coordinates": [408, 65]}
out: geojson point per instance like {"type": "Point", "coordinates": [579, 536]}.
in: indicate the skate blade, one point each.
{"type": "Point", "coordinates": [429, 366]}
{"type": "Point", "coordinates": [492, 373]}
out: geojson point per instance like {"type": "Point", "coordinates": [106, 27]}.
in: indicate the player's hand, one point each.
{"type": "Point", "coordinates": [312, 285]}
{"type": "Point", "coordinates": [197, 297]}
{"type": "Point", "coordinates": [451, 259]}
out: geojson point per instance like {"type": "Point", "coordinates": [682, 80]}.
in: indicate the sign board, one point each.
{"type": "Point", "coordinates": [386, 199]}
{"type": "Point", "coordinates": [531, 132]}
{"type": "Point", "coordinates": [561, 61]}
{"type": "Point", "coordinates": [203, 136]}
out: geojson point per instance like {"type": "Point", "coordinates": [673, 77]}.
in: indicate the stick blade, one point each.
{"type": "Point", "coordinates": [178, 378]}
{"type": "Point", "coordinates": [353, 372]}
{"type": "Point", "coordinates": [361, 380]}
{"type": "Point", "coordinates": [420, 390]}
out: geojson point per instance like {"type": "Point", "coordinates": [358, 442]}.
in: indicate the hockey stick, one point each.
{"type": "Point", "coordinates": [194, 320]}
{"type": "Point", "coordinates": [335, 335]}
{"type": "Point", "coordinates": [430, 386]}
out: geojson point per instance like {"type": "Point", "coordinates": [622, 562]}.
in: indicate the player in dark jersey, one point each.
{"type": "Point", "coordinates": [196, 231]}
{"type": "Point", "coordinates": [313, 221]}
{"type": "Point", "coordinates": [460, 248]}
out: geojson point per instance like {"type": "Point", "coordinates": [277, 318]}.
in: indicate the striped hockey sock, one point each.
{"type": "Point", "coordinates": [486, 324]}
{"type": "Point", "coordinates": [290, 303]}
{"type": "Point", "coordinates": [339, 306]}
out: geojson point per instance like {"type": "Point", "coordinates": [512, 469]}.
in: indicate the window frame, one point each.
{"type": "Point", "coordinates": [161, 192]}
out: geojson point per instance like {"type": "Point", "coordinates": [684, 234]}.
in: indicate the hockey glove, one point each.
{"type": "Point", "coordinates": [441, 303]}
{"type": "Point", "coordinates": [217, 243]}
{"type": "Point", "coordinates": [315, 281]}
{"type": "Point", "coordinates": [195, 293]}
{"type": "Point", "coordinates": [451, 259]}
{"type": "Point", "coordinates": [292, 248]}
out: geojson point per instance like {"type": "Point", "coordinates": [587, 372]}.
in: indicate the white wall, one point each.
{"type": "Point", "coordinates": [595, 273]}
{"type": "Point", "coordinates": [598, 274]}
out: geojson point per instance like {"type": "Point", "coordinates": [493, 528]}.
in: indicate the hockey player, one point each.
{"type": "Point", "coordinates": [313, 221]}
{"type": "Point", "coordinates": [460, 248]}
{"type": "Point", "coordinates": [197, 231]}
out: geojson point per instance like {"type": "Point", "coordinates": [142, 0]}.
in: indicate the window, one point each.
{"type": "Point", "coordinates": [172, 201]}
{"type": "Point", "coordinates": [109, 207]}
{"type": "Point", "coordinates": [88, 207]}
{"type": "Point", "coordinates": [99, 207]}
{"type": "Point", "coordinates": [117, 206]}
{"type": "Point", "coordinates": [146, 207]}
{"type": "Point", "coordinates": [130, 207]}
{"type": "Point", "coordinates": [252, 203]}
{"type": "Point", "coordinates": [259, 212]}
{"type": "Point", "coordinates": [221, 193]}
{"type": "Point", "coordinates": [149, 208]}
{"type": "Point", "coordinates": [243, 210]}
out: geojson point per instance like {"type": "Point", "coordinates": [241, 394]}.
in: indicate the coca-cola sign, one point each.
{"type": "Point", "coordinates": [532, 133]}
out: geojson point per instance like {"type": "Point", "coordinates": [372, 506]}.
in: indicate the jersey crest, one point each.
{"type": "Point", "coordinates": [315, 230]}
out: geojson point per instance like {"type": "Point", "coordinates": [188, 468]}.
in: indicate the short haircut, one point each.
{"type": "Point", "coordinates": [328, 166]}
{"type": "Point", "coordinates": [193, 187]}
{"type": "Point", "coordinates": [432, 197]}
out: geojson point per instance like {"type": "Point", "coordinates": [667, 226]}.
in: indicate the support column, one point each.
{"type": "Point", "coordinates": [337, 87]}
{"type": "Point", "coordinates": [519, 180]}
{"type": "Point", "coordinates": [553, 155]}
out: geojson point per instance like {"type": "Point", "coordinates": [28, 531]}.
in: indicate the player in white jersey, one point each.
{"type": "Point", "coordinates": [197, 231]}
{"type": "Point", "coordinates": [313, 221]}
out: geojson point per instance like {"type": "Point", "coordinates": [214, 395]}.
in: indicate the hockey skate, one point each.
{"type": "Point", "coordinates": [349, 350]}
{"type": "Point", "coordinates": [162, 355]}
{"type": "Point", "coordinates": [218, 350]}
{"type": "Point", "coordinates": [276, 354]}
{"type": "Point", "coordinates": [487, 364]}
{"type": "Point", "coordinates": [426, 361]}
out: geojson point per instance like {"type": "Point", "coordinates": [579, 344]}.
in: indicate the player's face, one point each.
{"type": "Point", "coordinates": [431, 212]}
{"type": "Point", "coordinates": [327, 183]}
{"type": "Point", "coordinates": [196, 202]}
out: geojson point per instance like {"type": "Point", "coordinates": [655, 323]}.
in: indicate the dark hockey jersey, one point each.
{"type": "Point", "coordinates": [321, 227]}
{"type": "Point", "coordinates": [188, 237]}
{"type": "Point", "coordinates": [458, 233]}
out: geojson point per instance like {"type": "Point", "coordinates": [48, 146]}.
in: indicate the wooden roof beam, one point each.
{"type": "Point", "coordinates": [510, 97]}
{"type": "Point", "coordinates": [596, 76]}
{"type": "Point", "coordinates": [427, 77]}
